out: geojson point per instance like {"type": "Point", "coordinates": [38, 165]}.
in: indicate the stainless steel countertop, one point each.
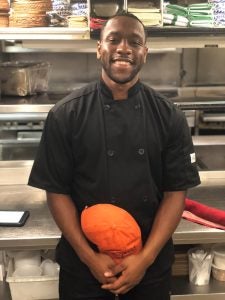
{"type": "Point", "coordinates": [40, 231]}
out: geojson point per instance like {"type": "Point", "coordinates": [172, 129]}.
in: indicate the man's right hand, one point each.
{"type": "Point", "coordinates": [100, 264]}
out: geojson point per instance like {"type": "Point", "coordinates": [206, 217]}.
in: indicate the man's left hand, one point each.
{"type": "Point", "coordinates": [129, 272]}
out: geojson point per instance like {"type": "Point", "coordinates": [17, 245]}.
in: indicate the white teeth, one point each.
{"type": "Point", "coordinates": [120, 62]}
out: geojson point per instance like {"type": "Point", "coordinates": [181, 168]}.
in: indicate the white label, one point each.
{"type": "Point", "coordinates": [193, 157]}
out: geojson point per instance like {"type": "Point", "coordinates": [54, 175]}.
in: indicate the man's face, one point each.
{"type": "Point", "coordinates": [122, 49]}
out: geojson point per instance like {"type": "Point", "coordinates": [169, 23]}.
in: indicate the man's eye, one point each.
{"type": "Point", "coordinates": [136, 43]}
{"type": "Point", "coordinates": [113, 40]}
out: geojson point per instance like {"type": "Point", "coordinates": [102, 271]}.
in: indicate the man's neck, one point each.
{"type": "Point", "coordinates": [119, 91]}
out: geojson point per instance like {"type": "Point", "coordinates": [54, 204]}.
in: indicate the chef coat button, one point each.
{"type": "Point", "coordinates": [141, 151]}
{"type": "Point", "coordinates": [137, 106]}
{"type": "Point", "coordinates": [110, 152]}
{"type": "Point", "coordinates": [106, 107]}
{"type": "Point", "coordinates": [145, 198]}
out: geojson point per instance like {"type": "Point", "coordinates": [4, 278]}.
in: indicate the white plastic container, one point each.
{"type": "Point", "coordinates": [219, 256]}
{"type": "Point", "coordinates": [23, 258]}
{"type": "Point", "coordinates": [28, 287]}
{"type": "Point", "coordinates": [218, 274]}
{"type": "Point", "coordinates": [200, 263]}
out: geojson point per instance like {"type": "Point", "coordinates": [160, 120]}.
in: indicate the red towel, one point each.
{"type": "Point", "coordinates": [207, 213]}
{"type": "Point", "coordinates": [193, 218]}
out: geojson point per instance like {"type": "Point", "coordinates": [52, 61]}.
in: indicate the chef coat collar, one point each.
{"type": "Point", "coordinates": [108, 97]}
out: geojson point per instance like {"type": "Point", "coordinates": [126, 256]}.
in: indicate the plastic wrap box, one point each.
{"type": "Point", "coordinates": [24, 78]}
{"type": "Point", "coordinates": [32, 288]}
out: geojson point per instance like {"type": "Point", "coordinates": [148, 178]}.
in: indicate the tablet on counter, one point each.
{"type": "Point", "coordinates": [14, 218]}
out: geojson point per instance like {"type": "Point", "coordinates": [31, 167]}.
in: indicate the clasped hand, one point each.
{"type": "Point", "coordinates": [123, 277]}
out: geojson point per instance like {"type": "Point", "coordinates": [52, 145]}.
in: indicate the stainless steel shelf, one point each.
{"type": "Point", "coordinates": [44, 33]}
{"type": "Point", "coordinates": [183, 289]}
{"type": "Point", "coordinates": [48, 37]}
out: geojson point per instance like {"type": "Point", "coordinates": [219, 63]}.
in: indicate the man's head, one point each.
{"type": "Point", "coordinates": [122, 49]}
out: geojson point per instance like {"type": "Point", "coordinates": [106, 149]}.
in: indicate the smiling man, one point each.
{"type": "Point", "coordinates": [116, 141]}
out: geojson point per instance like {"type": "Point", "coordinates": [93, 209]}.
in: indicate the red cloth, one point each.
{"type": "Point", "coordinates": [207, 213]}
{"type": "Point", "coordinates": [193, 218]}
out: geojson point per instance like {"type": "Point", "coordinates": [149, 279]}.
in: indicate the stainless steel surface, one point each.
{"type": "Point", "coordinates": [48, 33]}
{"type": "Point", "coordinates": [202, 105]}
{"type": "Point", "coordinates": [39, 231]}
{"type": "Point", "coordinates": [182, 289]}
{"type": "Point", "coordinates": [14, 172]}
{"type": "Point", "coordinates": [210, 152]}
{"type": "Point", "coordinates": [211, 192]}
{"type": "Point", "coordinates": [216, 117]}
{"type": "Point", "coordinates": [25, 108]}
{"type": "Point", "coordinates": [208, 140]}
{"type": "Point", "coordinates": [23, 116]}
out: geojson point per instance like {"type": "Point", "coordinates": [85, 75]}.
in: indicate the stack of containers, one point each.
{"type": "Point", "coordinates": [218, 12]}
{"type": "Point", "coordinates": [218, 267]}
{"type": "Point", "coordinates": [30, 277]}
{"type": "Point", "coordinates": [4, 13]}
{"type": "Point", "coordinates": [79, 14]}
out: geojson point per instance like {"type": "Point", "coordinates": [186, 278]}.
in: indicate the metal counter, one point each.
{"type": "Point", "coordinates": [40, 230]}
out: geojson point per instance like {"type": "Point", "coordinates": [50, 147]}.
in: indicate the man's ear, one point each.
{"type": "Point", "coordinates": [146, 53]}
{"type": "Point", "coordinates": [99, 50]}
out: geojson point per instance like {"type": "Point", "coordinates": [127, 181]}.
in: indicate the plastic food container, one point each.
{"type": "Point", "coordinates": [218, 274]}
{"type": "Point", "coordinates": [200, 263]}
{"type": "Point", "coordinates": [23, 258]}
{"type": "Point", "coordinates": [24, 78]}
{"type": "Point", "coordinates": [219, 256]}
{"type": "Point", "coordinates": [32, 287]}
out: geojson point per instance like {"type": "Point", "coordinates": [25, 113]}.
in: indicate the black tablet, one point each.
{"type": "Point", "coordinates": [13, 217]}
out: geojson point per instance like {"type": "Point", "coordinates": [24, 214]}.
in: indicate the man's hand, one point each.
{"type": "Point", "coordinates": [128, 273]}
{"type": "Point", "coordinates": [100, 265]}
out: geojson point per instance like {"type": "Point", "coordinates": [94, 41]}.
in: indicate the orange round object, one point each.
{"type": "Point", "coordinates": [112, 229]}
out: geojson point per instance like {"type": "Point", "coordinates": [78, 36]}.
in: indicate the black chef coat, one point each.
{"type": "Point", "coordinates": [125, 152]}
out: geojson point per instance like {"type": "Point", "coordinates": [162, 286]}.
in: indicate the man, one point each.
{"type": "Point", "coordinates": [116, 141]}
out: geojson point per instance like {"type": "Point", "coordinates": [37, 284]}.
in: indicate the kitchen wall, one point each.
{"type": "Point", "coordinates": [179, 68]}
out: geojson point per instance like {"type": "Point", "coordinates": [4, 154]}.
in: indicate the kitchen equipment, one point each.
{"type": "Point", "coordinates": [22, 78]}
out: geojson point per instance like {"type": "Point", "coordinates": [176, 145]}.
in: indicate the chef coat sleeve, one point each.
{"type": "Point", "coordinates": [179, 160]}
{"type": "Point", "coordinates": [53, 166]}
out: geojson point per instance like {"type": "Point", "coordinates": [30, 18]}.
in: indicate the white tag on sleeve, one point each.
{"type": "Point", "coordinates": [193, 157]}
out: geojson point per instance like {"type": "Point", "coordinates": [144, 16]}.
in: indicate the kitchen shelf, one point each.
{"type": "Point", "coordinates": [183, 289]}
{"type": "Point", "coordinates": [158, 37]}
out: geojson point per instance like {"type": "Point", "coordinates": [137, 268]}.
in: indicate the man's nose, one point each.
{"type": "Point", "coordinates": [123, 47]}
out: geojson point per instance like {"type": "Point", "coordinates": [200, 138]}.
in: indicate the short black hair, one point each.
{"type": "Point", "coordinates": [123, 14]}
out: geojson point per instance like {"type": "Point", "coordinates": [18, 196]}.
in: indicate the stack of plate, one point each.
{"type": "Point", "coordinates": [29, 13]}
{"type": "Point", "coordinates": [4, 13]}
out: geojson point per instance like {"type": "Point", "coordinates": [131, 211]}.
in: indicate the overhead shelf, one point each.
{"type": "Point", "coordinates": [158, 37]}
